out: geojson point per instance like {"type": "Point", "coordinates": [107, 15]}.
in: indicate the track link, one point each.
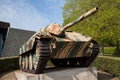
{"type": "Point", "coordinates": [38, 58]}
{"type": "Point", "coordinates": [86, 61]}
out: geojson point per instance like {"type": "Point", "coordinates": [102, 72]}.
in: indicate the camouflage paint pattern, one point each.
{"type": "Point", "coordinates": [56, 43]}
{"type": "Point", "coordinates": [72, 45]}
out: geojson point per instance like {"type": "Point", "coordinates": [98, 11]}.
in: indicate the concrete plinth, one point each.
{"type": "Point", "coordinates": [89, 73]}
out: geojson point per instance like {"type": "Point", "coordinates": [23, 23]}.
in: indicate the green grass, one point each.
{"type": "Point", "coordinates": [109, 50]}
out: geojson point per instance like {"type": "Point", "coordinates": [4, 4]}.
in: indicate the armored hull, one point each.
{"type": "Point", "coordinates": [74, 49]}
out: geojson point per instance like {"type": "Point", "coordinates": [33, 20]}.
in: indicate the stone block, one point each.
{"type": "Point", "coordinates": [89, 73]}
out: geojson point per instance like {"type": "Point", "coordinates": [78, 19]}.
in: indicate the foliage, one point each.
{"type": "Point", "coordinates": [116, 52]}
{"type": "Point", "coordinates": [9, 63]}
{"type": "Point", "coordinates": [103, 26]}
{"type": "Point", "coordinates": [109, 64]}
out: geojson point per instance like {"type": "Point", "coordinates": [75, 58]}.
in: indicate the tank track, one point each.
{"type": "Point", "coordinates": [80, 61]}
{"type": "Point", "coordinates": [35, 62]}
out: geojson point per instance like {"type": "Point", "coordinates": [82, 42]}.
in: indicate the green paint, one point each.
{"type": "Point", "coordinates": [59, 46]}
{"type": "Point", "coordinates": [36, 57]}
{"type": "Point", "coordinates": [75, 50]}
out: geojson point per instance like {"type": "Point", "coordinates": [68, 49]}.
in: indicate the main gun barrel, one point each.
{"type": "Point", "coordinates": [59, 31]}
{"type": "Point", "coordinates": [82, 17]}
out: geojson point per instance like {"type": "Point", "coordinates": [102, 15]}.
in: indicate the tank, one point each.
{"type": "Point", "coordinates": [60, 46]}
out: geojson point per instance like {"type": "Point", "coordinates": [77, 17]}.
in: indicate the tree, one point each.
{"type": "Point", "coordinates": [104, 26]}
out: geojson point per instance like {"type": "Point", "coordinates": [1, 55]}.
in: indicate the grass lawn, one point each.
{"type": "Point", "coordinates": [109, 50]}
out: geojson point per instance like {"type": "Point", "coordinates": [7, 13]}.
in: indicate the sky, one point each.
{"type": "Point", "coordinates": [31, 14]}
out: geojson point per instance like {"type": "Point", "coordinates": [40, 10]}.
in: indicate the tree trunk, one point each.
{"type": "Point", "coordinates": [117, 50]}
{"type": "Point", "coordinates": [117, 44]}
{"type": "Point", "coordinates": [102, 48]}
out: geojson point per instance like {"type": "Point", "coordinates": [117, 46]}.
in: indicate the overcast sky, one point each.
{"type": "Point", "coordinates": [31, 14]}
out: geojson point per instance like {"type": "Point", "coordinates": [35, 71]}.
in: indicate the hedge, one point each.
{"type": "Point", "coordinates": [9, 63]}
{"type": "Point", "coordinates": [108, 64]}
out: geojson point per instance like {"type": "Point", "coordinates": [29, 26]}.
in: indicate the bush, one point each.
{"type": "Point", "coordinates": [9, 63]}
{"type": "Point", "coordinates": [116, 52]}
{"type": "Point", "coordinates": [109, 64]}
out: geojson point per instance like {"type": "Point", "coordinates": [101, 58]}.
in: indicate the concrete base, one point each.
{"type": "Point", "coordinates": [89, 73]}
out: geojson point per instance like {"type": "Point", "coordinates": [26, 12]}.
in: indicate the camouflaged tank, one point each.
{"type": "Point", "coordinates": [62, 47]}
